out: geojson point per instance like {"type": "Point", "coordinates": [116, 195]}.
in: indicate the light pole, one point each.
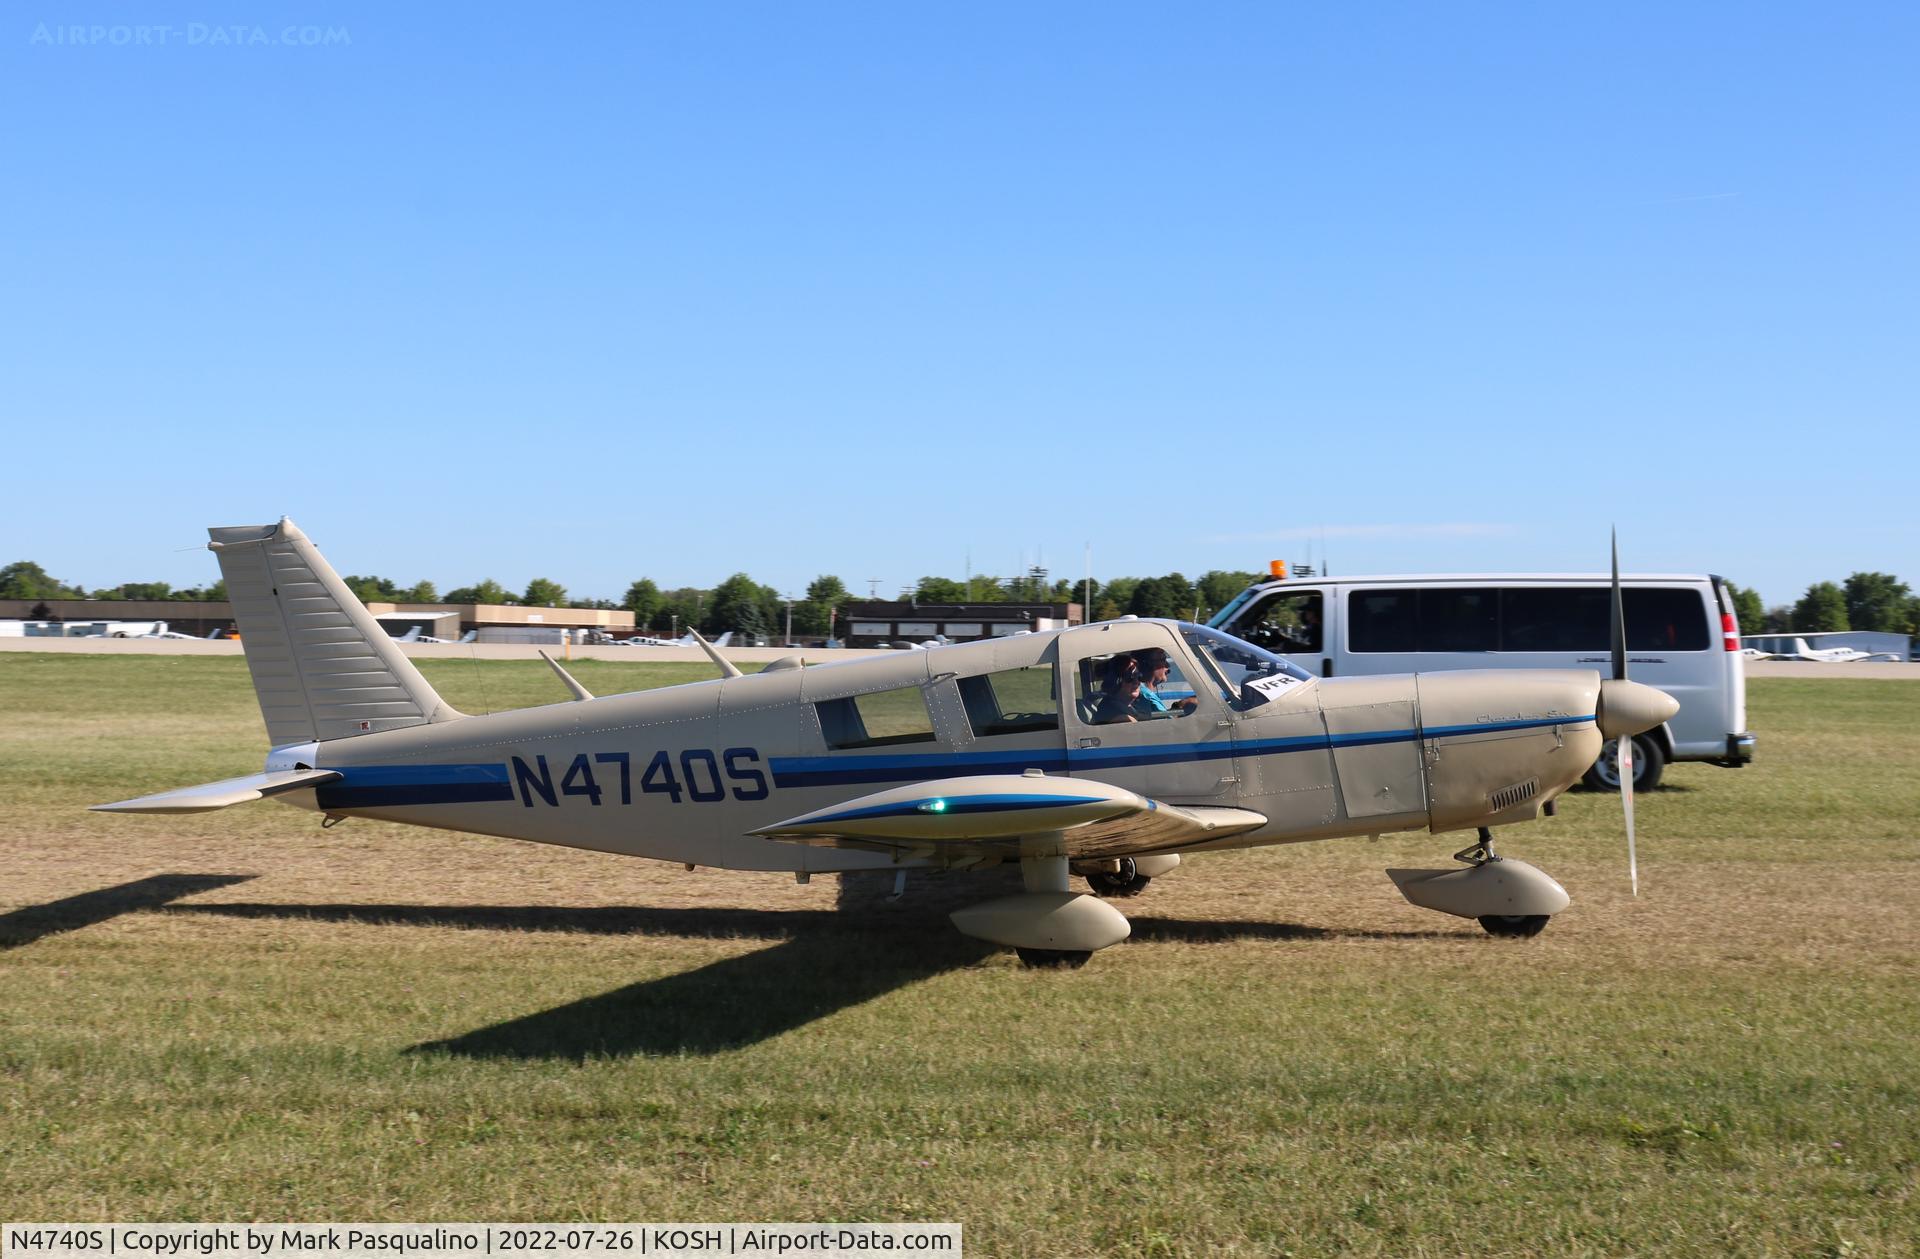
{"type": "Point", "coordinates": [789, 639]}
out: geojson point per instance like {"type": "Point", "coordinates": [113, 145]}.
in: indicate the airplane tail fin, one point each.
{"type": "Point", "coordinates": [322, 666]}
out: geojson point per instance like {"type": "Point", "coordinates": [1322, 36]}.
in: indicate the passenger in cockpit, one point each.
{"type": "Point", "coordinates": [1122, 693]}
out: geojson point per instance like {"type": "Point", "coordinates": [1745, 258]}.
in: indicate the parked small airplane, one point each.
{"type": "Point", "coordinates": [1829, 655]}
{"type": "Point", "coordinates": [685, 640]}
{"type": "Point", "coordinates": [1046, 749]}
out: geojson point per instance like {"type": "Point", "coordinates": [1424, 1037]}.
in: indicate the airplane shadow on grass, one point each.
{"type": "Point", "coordinates": [820, 962]}
{"type": "Point", "coordinates": [25, 925]}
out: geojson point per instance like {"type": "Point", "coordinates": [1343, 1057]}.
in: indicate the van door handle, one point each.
{"type": "Point", "coordinates": [1089, 743]}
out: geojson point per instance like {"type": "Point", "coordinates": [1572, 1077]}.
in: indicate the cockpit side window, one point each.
{"type": "Point", "coordinates": [1144, 685]}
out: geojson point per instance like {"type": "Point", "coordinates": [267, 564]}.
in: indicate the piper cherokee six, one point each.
{"type": "Point", "coordinates": [1105, 751]}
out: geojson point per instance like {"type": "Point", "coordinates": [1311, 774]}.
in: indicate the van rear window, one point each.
{"type": "Point", "coordinates": [1522, 618]}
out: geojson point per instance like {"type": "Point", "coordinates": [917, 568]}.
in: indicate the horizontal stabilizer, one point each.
{"type": "Point", "coordinates": [989, 814]}
{"type": "Point", "coordinates": [210, 796]}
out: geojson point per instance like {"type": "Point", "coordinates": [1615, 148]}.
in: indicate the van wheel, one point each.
{"type": "Point", "coordinates": [1649, 763]}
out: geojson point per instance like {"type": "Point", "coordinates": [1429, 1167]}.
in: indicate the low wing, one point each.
{"type": "Point", "coordinates": [991, 814]}
{"type": "Point", "coordinates": [210, 796]}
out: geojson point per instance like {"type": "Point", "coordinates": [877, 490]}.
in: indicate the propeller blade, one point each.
{"type": "Point", "coordinates": [1623, 757]}
{"type": "Point", "coordinates": [1626, 805]}
{"type": "Point", "coordinates": [1619, 616]}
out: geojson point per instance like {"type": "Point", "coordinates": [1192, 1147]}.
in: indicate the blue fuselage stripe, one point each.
{"type": "Point", "coordinates": [827, 771]}
{"type": "Point", "coordinates": [381, 786]}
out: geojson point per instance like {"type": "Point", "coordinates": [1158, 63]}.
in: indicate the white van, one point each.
{"type": "Point", "coordinates": [1681, 637]}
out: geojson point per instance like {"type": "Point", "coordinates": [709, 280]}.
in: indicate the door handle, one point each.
{"type": "Point", "coordinates": [1089, 743]}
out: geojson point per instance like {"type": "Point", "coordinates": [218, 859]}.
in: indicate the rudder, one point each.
{"type": "Point", "coordinates": [322, 666]}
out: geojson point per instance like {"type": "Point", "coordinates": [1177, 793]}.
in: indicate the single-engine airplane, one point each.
{"type": "Point", "coordinates": [1054, 750]}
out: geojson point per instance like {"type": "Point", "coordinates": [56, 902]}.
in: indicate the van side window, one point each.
{"type": "Point", "coordinates": [1284, 621]}
{"type": "Point", "coordinates": [1383, 620]}
{"type": "Point", "coordinates": [1657, 619]}
{"type": "Point", "coordinates": [1013, 701]}
{"type": "Point", "coordinates": [1548, 619]}
{"type": "Point", "coordinates": [1442, 619]}
{"type": "Point", "coordinates": [1459, 620]}
{"type": "Point", "coordinates": [879, 719]}
{"type": "Point", "coordinates": [1666, 620]}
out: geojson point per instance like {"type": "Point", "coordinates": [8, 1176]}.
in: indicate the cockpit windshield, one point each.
{"type": "Point", "coordinates": [1250, 675]}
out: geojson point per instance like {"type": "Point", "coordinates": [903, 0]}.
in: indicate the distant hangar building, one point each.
{"type": "Point", "coordinates": [490, 622]}
{"type": "Point", "coordinates": [885, 623]}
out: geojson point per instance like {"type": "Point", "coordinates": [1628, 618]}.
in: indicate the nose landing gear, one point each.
{"type": "Point", "coordinates": [1508, 897]}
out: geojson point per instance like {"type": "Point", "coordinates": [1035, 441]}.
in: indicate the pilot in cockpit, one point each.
{"type": "Point", "coordinates": [1156, 665]}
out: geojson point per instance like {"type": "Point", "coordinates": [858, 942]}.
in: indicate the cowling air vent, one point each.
{"type": "Point", "coordinates": [1507, 797]}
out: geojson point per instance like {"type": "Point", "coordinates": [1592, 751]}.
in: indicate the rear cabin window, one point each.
{"type": "Point", "coordinates": [880, 719]}
{"type": "Point", "coordinates": [1013, 701]}
{"type": "Point", "coordinates": [1522, 618]}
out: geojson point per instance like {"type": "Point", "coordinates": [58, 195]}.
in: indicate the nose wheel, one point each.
{"type": "Point", "coordinates": [1506, 896]}
{"type": "Point", "coordinates": [1514, 926]}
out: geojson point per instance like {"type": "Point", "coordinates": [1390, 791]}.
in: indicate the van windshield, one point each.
{"type": "Point", "coordinates": [1249, 675]}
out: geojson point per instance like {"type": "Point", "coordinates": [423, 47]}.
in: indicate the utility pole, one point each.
{"type": "Point", "coordinates": [789, 640]}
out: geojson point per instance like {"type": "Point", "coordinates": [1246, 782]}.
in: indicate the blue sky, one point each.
{"type": "Point", "coordinates": [680, 290]}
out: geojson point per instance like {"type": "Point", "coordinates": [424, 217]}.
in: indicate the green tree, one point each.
{"type": "Point", "coordinates": [1120, 590]}
{"type": "Point", "coordinates": [940, 590]}
{"type": "Point", "coordinates": [1031, 586]}
{"type": "Point", "coordinates": [137, 590]}
{"type": "Point", "coordinates": [1108, 611]}
{"type": "Point", "coordinates": [1169, 596]}
{"type": "Point", "coordinates": [1779, 619]}
{"type": "Point", "coordinates": [738, 605]}
{"type": "Point", "coordinates": [1069, 591]}
{"type": "Point", "coordinates": [372, 589]}
{"type": "Point", "coordinates": [488, 591]}
{"type": "Point", "coordinates": [27, 580]}
{"type": "Point", "coordinates": [1747, 608]}
{"type": "Point", "coordinates": [1877, 601]}
{"type": "Point", "coordinates": [421, 591]}
{"type": "Point", "coordinates": [825, 595]}
{"type": "Point", "coordinates": [683, 609]}
{"type": "Point", "coordinates": [542, 593]}
{"type": "Point", "coordinates": [1822, 608]}
{"type": "Point", "coordinates": [1219, 586]}
{"type": "Point", "coordinates": [644, 600]}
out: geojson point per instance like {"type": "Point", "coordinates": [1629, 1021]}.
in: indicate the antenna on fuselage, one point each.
{"type": "Point", "coordinates": [713, 653]}
{"type": "Point", "coordinates": [579, 692]}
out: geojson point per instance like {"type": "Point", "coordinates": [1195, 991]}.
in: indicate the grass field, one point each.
{"type": "Point", "coordinates": [240, 1016]}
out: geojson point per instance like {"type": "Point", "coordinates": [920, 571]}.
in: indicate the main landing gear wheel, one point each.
{"type": "Point", "coordinates": [1514, 926]}
{"type": "Point", "coordinates": [1128, 881]}
{"type": "Point", "coordinates": [1055, 959]}
{"type": "Point", "coordinates": [1649, 762]}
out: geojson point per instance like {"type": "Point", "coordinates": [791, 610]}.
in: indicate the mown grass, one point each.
{"type": "Point", "coordinates": [379, 1022]}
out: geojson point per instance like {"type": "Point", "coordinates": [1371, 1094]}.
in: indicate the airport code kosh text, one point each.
{"type": "Point", "coordinates": [603, 1241]}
